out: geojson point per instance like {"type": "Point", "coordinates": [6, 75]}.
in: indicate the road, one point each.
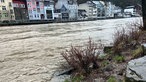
{"type": "Point", "coordinates": [31, 53]}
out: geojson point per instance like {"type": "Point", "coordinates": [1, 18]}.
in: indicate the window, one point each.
{"type": "Point", "coordinates": [30, 16]}
{"type": "Point", "coordinates": [0, 16]}
{"type": "Point", "coordinates": [6, 14]}
{"type": "Point", "coordinates": [3, 7]}
{"type": "Point", "coordinates": [37, 3]}
{"type": "Point", "coordinates": [30, 11]}
{"type": "Point", "coordinates": [35, 16]}
{"type": "Point", "coordinates": [2, 1]}
{"type": "Point", "coordinates": [38, 10]}
{"type": "Point", "coordinates": [10, 4]}
{"type": "Point", "coordinates": [11, 11]}
{"type": "Point", "coordinates": [28, 5]}
{"type": "Point", "coordinates": [34, 10]}
{"type": "Point", "coordinates": [46, 3]}
{"type": "Point", "coordinates": [22, 6]}
{"type": "Point", "coordinates": [12, 16]}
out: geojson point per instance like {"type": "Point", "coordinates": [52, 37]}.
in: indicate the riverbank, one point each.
{"type": "Point", "coordinates": [95, 62]}
{"type": "Point", "coordinates": [13, 23]}
{"type": "Point", "coordinates": [32, 52]}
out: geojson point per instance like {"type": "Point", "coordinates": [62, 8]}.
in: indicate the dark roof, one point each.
{"type": "Point", "coordinates": [63, 8]}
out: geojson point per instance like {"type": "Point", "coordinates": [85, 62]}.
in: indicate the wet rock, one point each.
{"type": "Point", "coordinates": [136, 70]}
{"type": "Point", "coordinates": [109, 67]}
{"type": "Point", "coordinates": [99, 80]}
{"type": "Point", "coordinates": [144, 48]}
{"type": "Point", "coordinates": [62, 75]}
{"type": "Point", "coordinates": [100, 53]}
{"type": "Point", "coordinates": [66, 72]}
{"type": "Point", "coordinates": [120, 69]}
{"type": "Point", "coordinates": [61, 78]}
{"type": "Point", "coordinates": [120, 72]}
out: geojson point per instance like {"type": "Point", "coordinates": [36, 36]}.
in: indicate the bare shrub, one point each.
{"type": "Point", "coordinates": [82, 60]}
{"type": "Point", "coordinates": [120, 39]}
{"type": "Point", "coordinates": [127, 38]}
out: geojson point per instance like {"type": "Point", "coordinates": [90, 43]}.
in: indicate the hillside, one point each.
{"type": "Point", "coordinates": [121, 3]}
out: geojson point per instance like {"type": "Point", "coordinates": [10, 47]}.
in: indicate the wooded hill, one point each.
{"type": "Point", "coordinates": [121, 3]}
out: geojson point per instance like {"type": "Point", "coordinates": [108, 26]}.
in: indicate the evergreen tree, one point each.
{"type": "Point", "coordinates": [121, 3]}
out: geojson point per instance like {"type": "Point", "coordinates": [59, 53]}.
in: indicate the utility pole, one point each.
{"type": "Point", "coordinates": [144, 13]}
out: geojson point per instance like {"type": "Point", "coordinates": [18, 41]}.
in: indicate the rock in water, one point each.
{"type": "Point", "coordinates": [136, 70]}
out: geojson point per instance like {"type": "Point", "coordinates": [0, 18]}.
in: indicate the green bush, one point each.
{"type": "Point", "coordinates": [104, 63]}
{"type": "Point", "coordinates": [138, 52]}
{"type": "Point", "coordinates": [75, 79]}
{"type": "Point", "coordinates": [119, 58]}
{"type": "Point", "coordinates": [112, 79]}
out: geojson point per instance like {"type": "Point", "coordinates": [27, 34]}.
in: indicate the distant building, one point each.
{"type": "Point", "coordinates": [73, 9]}
{"type": "Point", "coordinates": [6, 10]}
{"type": "Point", "coordinates": [49, 9]}
{"type": "Point", "coordinates": [20, 10]}
{"type": "Point", "coordinates": [40, 9]}
{"type": "Point", "coordinates": [118, 12]}
{"type": "Point", "coordinates": [90, 8]}
{"type": "Point", "coordinates": [132, 10]}
{"type": "Point", "coordinates": [82, 14]}
{"type": "Point", "coordinates": [110, 10]}
{"type": "Point", "coordinates": [101, 9]}
{"type": "Point", "coordinates": [66, 9]}
{"type": "Point", "coordinates": [35, 9]}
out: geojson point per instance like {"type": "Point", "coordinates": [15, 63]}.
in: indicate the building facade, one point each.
{"type": "Point", "coordinates": [101, 9]}
{"type": "Point", "coordinates": [73, 9]}
{"type": "Point", "coordinates": [6, 10]}
{"type": "Point", "coordinates": [110, 10]}
{"type": "Point", "coordinates": [68, 9]}
{"type": "Point", "coordinates": [35, 9]}
{"type": "Point", "coordinates": [90, 8]}
{"type": "Point", "coordinates": [20, 10]}
{"type": "Point", "coordinates": [40, 9]}
{"type": "Point", "coordinates": [49, 9]}
{"type": "Point", "coordinates": [61, 7]}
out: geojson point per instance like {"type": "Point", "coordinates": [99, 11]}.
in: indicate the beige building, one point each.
{"type": "Point", "coordinates": [90, 8]}
{"type": "Point", "coordinates": [6, 10]}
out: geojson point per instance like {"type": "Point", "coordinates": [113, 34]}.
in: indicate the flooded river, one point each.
{"type": "Point", "coordinates": [31, 53]}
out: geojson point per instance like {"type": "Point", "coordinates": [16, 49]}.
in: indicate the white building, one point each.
{"type": "Point", "coordinates": [118, 12]}
{"type": "Point", "coordinates": [73, 9]}
{"type": "Point", "coordinates": [110, 10]}
{"type": "Point", "coordinates": [132, 11]}
{"type": "Point", "coordinates": [48, 9]}
{"type": "Point", "coordinates": [107, 10]}
{"type": "Point", "coordinates": [90, 8]}
{"type": "Point", "coordinates": [67, 9]}
{"type": "Point", "coordinates": [101, 9]}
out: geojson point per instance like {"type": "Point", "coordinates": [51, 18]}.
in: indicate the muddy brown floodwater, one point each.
{"type": "Point", "coordinates": [31, 53]}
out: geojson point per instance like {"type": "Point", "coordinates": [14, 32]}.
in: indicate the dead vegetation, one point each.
{"type": "Point", "coordinates": [128, 40]}
{"type": "Point", "coordinates": [89, 66]}
{"type": "Point", "coordinates": [82, 60]}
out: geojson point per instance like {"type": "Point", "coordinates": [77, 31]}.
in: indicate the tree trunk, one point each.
{"type": "Point", "coordinates": [144, 13]}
